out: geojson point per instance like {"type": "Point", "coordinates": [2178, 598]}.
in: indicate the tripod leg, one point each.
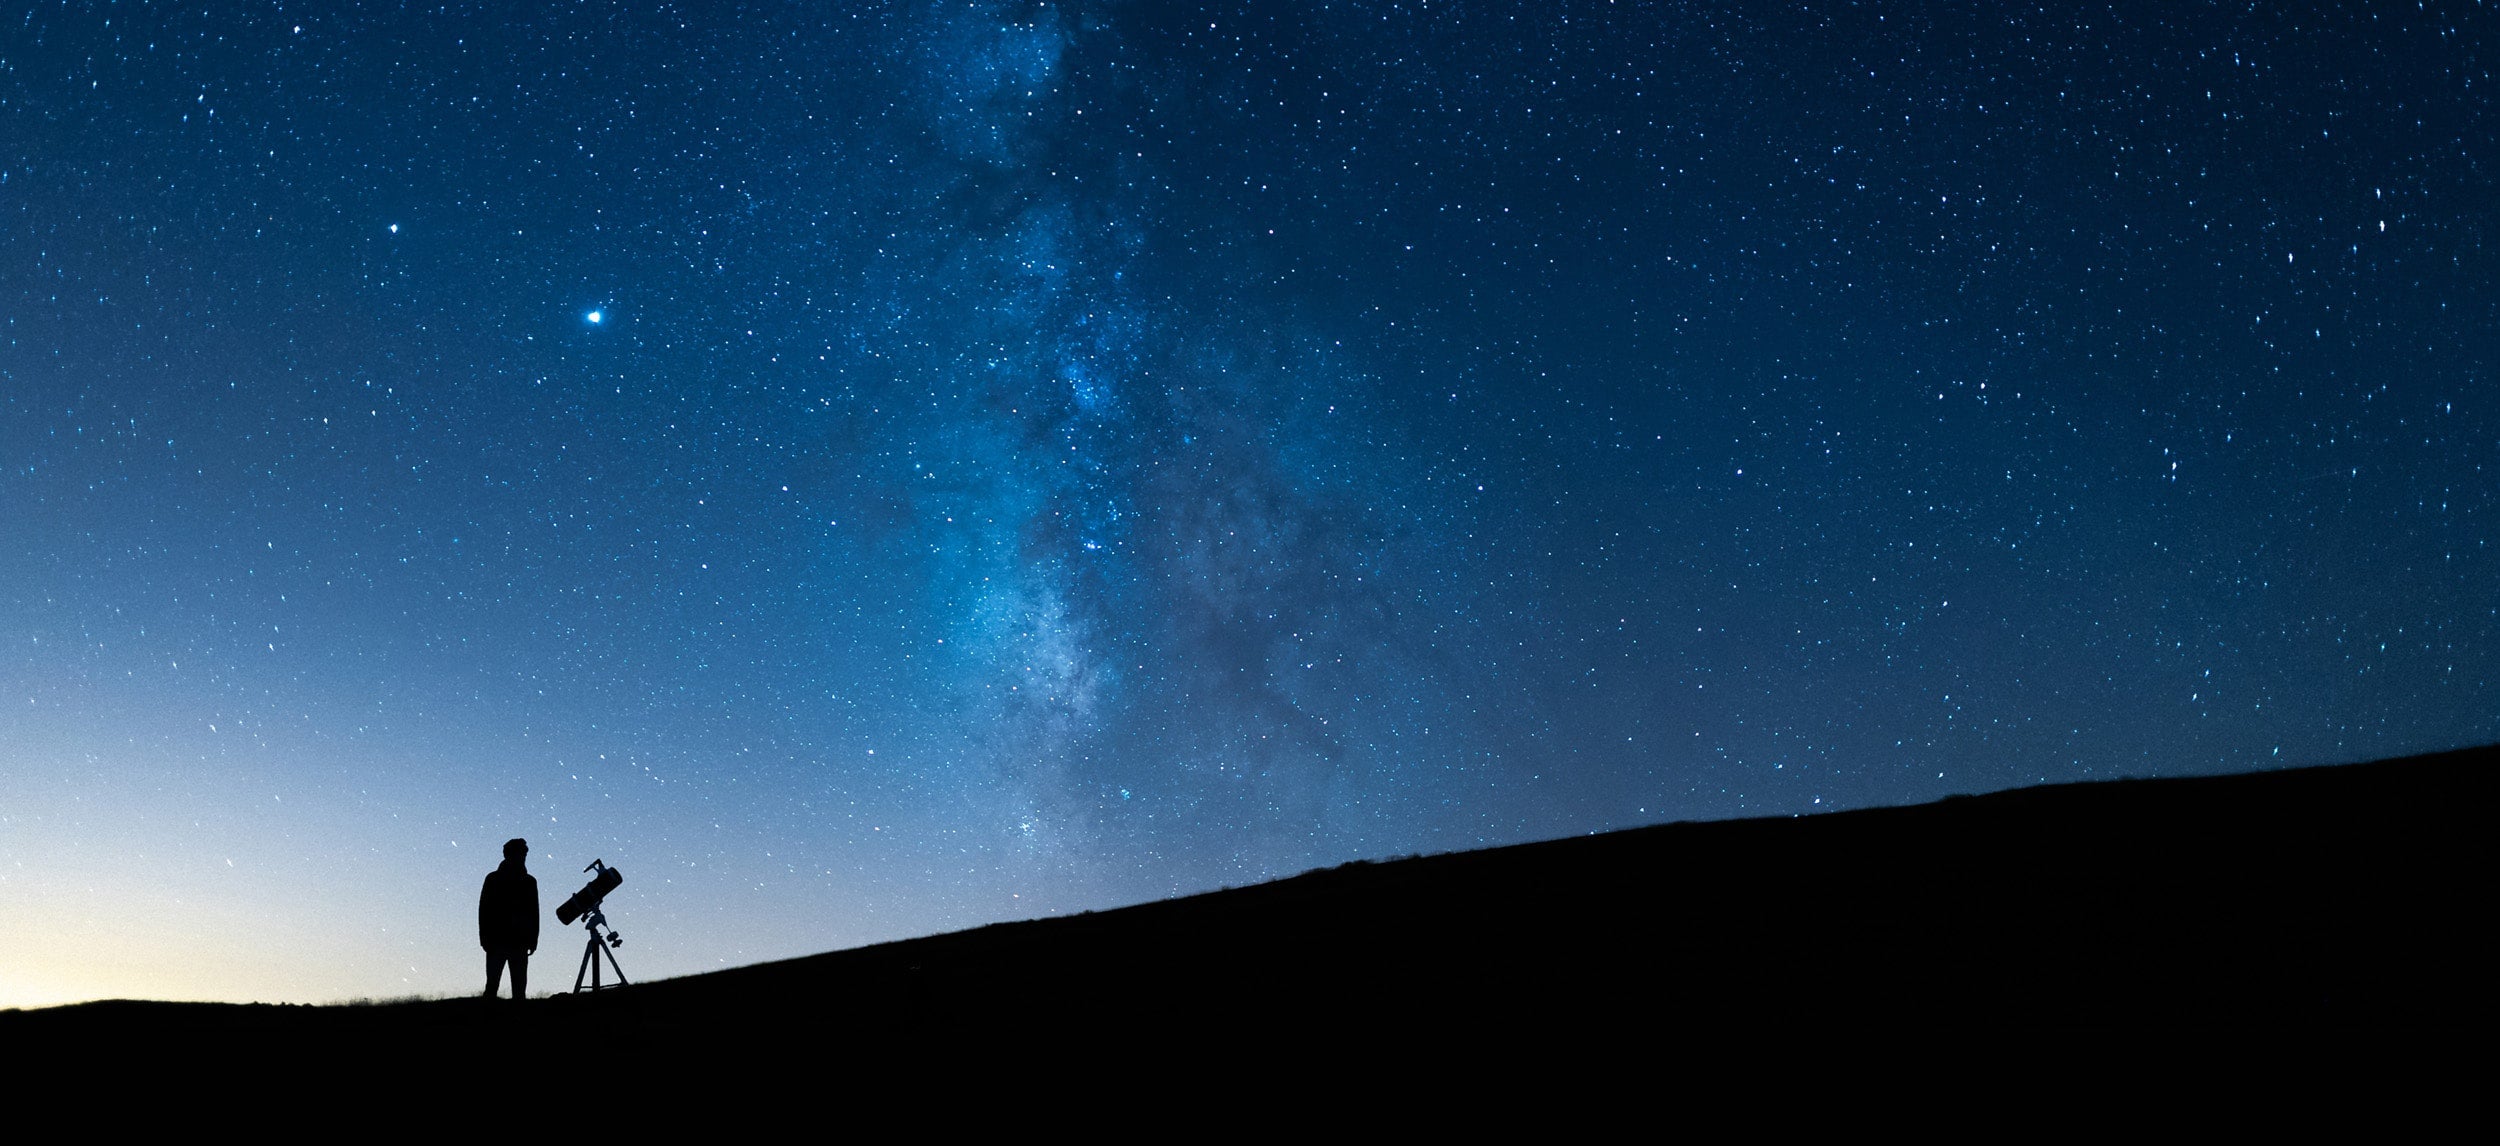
{"type": "Point", "coordinates": [620, 971]}
{"type": "Point", "coordinates": [590, 963]}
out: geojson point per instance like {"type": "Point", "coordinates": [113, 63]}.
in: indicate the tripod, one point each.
{"type": "Point", "coordinates": [598, 946]}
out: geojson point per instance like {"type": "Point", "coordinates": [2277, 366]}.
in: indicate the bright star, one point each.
{"type": "Point", "coordinates": [594, 317]}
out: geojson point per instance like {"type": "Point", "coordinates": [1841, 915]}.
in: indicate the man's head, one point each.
{"type": "Point", "coordinates": [516, 850]}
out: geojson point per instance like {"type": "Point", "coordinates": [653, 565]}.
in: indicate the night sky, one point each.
{"type": "Point", "coordinates": [868, 469]}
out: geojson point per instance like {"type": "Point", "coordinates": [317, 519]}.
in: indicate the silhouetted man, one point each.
{"type": "Point", "coordinates": [507, 920]}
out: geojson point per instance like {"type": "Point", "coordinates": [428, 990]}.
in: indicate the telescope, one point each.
{"type": "Point", "coordinates": [586, 902]}
{"type": "Point", "coordinates": [587, 899]}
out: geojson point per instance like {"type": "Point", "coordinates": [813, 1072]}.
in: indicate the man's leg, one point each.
{"type": "Point", "coordinates": [521, 975]}
{"type": "Point", "coordinates": [494, 973]}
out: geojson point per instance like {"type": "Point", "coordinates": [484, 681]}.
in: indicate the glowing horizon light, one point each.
{"type": "Point", "coordinates": [594, 317]}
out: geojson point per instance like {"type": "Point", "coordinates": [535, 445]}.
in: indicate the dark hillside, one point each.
{"type": "Point", "coordinates": [2307, 900]}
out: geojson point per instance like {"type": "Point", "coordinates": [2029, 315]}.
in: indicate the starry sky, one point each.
{"type": "Point", "coordinates": [875, 468]}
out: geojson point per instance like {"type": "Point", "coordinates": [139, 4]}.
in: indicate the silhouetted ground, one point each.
{"type": "Point", "coordinates": [2314, 903]}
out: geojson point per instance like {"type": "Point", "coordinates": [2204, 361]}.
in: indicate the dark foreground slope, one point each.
{"type": "Point", "coordinates": [2308, 901]}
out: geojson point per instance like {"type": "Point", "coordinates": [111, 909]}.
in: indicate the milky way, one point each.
{"type": "Point", "coordinates": [878, 468]}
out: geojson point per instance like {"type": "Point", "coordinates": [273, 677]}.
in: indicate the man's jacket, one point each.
{"type": "Point", "coordinates": [507, 910]}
